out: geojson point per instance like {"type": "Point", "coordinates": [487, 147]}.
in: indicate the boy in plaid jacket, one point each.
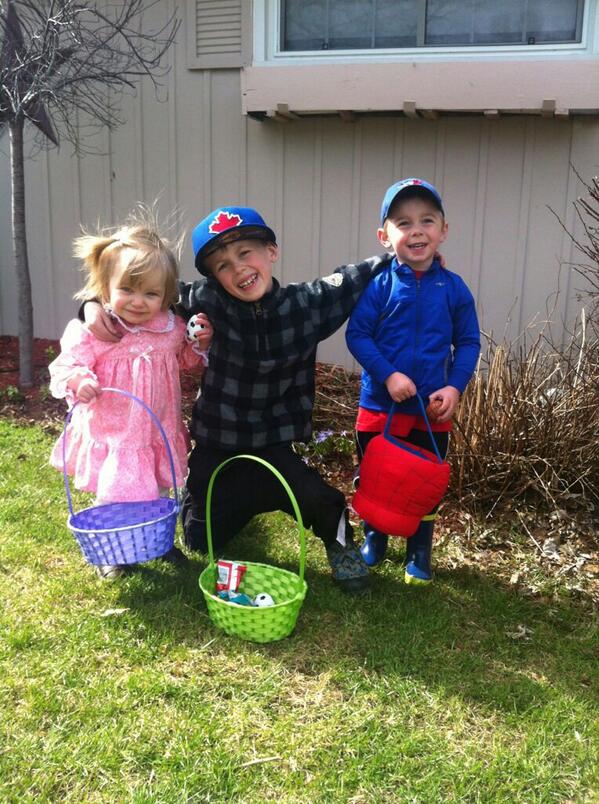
{"type": "Point", "coordinates": [258, 389]}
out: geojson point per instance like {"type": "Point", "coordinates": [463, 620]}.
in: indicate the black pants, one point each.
{"type": "Point", "coordinates": [419, 438]}
{"type": "Point", "coordinates": [245, 488]}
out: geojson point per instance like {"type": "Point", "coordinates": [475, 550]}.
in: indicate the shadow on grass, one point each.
{"type": "Point", "coordinates": [468, 633]}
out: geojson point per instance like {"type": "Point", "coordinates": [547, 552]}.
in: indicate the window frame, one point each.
{"type": "Point", "coordinates": [268, 29]}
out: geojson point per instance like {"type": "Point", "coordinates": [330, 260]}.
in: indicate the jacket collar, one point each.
{"type": "Point", "coordinates": [404, 270]}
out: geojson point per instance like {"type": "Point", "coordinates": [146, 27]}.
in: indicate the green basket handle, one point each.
{"type": "Point", "coordinates": [287, 488]}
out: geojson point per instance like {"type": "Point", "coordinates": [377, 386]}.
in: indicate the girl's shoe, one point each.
{"type": "Point", "coordinates": [374, 547]}
{"type": "Point", "coordinates": [109, 572]}
{"type": "Point", "coordinates": [418, 555]}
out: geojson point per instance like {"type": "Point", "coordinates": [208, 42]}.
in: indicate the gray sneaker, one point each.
{"type": "Point", "coordinates": [348, 568]}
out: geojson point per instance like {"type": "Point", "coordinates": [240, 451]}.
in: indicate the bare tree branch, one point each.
{"type": "Point", "coordinates": [62, 61]}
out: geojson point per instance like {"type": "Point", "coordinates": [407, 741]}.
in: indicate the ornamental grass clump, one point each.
{"type": "Point", "coordinates": [527, 427]}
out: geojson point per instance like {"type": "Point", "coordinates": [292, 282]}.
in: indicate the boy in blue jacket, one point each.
{"type": "Point", "coordinates": [414, 330]}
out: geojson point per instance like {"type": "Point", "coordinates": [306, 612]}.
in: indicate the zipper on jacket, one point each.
{"type": "Point", "coordinates": [414, 376]}
{"type": "Point", "coordinates": [260, 324]}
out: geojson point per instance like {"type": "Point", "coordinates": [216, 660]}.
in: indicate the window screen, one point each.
{"type": "Point", "coordinates": [364, 24]}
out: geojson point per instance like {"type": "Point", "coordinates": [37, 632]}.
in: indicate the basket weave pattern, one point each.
{"type": "Point", "coordinates": [288, 590]}
{"type": "Point", "coordinates": [124, 532]}
{"type": "Point", "coordinates": [256, 624]}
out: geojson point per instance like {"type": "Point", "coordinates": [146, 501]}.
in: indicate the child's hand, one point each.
{"type": "Point", "coordinates": [100, 323]}
{"type": "Point", "coordinates": [400, 386]}
{"type": "Point", "coordinates": [199, 330]}
{"type": "Point", "coordinates": [85, 388]}
{"type": "Point", "coordinates": [88, 389]}
{"type": "Point", "coordinates": [442, 404]}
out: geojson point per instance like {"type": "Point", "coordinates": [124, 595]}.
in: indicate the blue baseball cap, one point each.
{"type": "Point", "coordinates": [408, 184]}
{"type": "Point", "coordinates": [224, 225]}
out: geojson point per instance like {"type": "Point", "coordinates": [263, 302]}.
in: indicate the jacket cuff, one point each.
{"type": "Point", "coordinates": [59, 384]}
{"type": "Point", "coordinates": [381, 369]}
{"type": "Point", "coordinates": [459, 379]}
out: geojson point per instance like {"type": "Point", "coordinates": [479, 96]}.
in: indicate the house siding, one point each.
{"type": "Point", "coordinates": [319, 182]}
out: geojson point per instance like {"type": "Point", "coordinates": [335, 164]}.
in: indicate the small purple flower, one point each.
{"type": "Point", "coordinates": [322, 436]}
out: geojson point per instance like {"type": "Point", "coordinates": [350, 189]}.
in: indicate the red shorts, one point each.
{"type": "Point", "coordinates": [374, 421]}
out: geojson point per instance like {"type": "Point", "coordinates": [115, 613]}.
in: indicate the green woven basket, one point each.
{"type": "Point", "coordinates": [257, 624]}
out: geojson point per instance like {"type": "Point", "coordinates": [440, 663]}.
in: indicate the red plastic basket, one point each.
{"type": "Point", "coordinates": [399, 482]}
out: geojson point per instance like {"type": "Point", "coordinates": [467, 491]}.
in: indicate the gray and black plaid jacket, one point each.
{"type": "Point", "coordinates": [258, 389]}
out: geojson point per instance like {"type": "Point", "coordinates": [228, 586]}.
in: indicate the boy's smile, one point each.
{"type": "Point", "coordinates": [244, 268]}
{"type": "Point", "coordinates": [414, 230]}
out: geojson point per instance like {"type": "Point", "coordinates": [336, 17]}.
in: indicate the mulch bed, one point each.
{"type": "Point", "coordinates": [31, 404]}
{"type": "Point", "coordinates": [336, 389]}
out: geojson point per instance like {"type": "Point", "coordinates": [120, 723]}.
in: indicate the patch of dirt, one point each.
{"type": "Point", "coordinates": [36, 404]}
{"type": "Point", "coordinates": [31, 405]}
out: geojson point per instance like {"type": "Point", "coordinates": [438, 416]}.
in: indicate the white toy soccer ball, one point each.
{"type": "Point", "coordinates": [194, 329]}
{"type": "Point", "coordinates": [263, 599]}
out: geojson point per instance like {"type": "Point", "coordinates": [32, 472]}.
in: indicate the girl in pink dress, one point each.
{"type": "Point", "coordinates": [113, 447]}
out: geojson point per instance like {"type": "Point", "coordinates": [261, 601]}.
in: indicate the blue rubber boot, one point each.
{"type": "Point", "coordinates": [375, 546]}
{"type": "Point", "coordinates": [418, 554]}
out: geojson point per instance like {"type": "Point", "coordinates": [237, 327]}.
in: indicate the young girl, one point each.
{"type": "Point", "coordinates": [113, 447]}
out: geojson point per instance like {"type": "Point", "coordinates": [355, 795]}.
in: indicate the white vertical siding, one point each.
{"type": "Point", "coordinates": [319, 182]}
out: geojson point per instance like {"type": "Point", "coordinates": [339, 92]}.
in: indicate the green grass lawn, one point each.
{"type": "Point", "coordinates": [125, 691]}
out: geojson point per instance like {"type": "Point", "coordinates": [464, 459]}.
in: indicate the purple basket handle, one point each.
{"type": "Point", "coordinates": [401, 444]}
{"type": "Point", "coordinates": [156, 422]}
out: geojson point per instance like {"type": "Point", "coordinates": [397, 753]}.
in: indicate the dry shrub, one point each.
{"type": "Point", "coordinates": [336, 399]}
{"type": "Point", "coordinates": [587, 210]}
{"type": "Point", "coordinates": [528, 425]}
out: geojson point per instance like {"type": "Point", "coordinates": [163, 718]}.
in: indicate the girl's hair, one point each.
{"type": "Point", "coordinates": [101, 254]}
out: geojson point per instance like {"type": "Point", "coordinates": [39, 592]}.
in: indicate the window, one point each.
{"type": "Point", "coordinates": [316, 25]}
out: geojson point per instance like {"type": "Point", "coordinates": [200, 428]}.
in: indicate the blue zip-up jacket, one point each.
{"type": "Point", "coordinates": [425, 328]}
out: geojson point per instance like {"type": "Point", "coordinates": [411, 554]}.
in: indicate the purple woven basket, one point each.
{"type": "Point", "coordinates": [124, 532]}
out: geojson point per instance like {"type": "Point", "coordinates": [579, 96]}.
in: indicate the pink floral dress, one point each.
{"type": "Point", "coordinates": [113, 447]}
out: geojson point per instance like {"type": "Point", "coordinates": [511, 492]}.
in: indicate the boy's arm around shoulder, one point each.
{"type": "Point", "coordinates": [333, 297]}
{"type": "Point", "coordinates": [466, 337]}
{"type": "Point", "coordinates": [191, 295]}
{"type": "Point", "coordinates": [199, 296]}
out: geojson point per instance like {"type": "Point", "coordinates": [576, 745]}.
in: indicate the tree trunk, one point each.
{"type": "Point", "coordinates": [19, 237]}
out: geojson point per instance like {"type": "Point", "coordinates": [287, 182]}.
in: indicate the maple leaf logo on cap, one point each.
{"type": "Point", "coordinates": [224, 221]}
